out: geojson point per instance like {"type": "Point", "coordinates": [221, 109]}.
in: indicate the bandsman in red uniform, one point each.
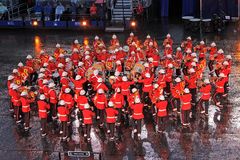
{"type": "Point", "coordinates": [81, 100]}
{"type": "Point", "coordinates": [161, 107]}
{"type": "Point", "coordinates": [78, 83]}
{"type": "Point", "coordinates": [137, 115]}
{"type": "Point", "coordinates": [147, 87]}
{"type": "Point", "coordinates": [58, 51]}
{"type": "Point", "coordinates": [15, 99]}
{"type": "Point", "coordinates": [191, 82]}
{"type": "Point", "coordinates": [161, 81]}
{"type": "Point", "coordinates": [212, 52]}
{"type": "Point", "coordinates": [63, 114]}
{"type": "Point", "coordinates": [169, 74]}
{"type": "Point", "coordinates": [114, 41]}
{"type": "Point", "coordinates": [168, 40]}
{"type": "Point", "coordinates": [68, 98]}
{"type": "Point", "coordinates": [176, 90]}
{"type": "Point", "coordinates": [218, 95]}
{"type": "Point", "coordinates": [75, 57]}
{"type": "Point", "coordinates": [187, 45]}
{"type": "Point", "coordinates": [147, 41]}
{"type": "Point", "coordinates": [185, 107]}
{"type": "Point", "coordinates": [53, 100]}
{"type": "Point", "coordinates": [111, 117]}
{"type": "Point", "coordinates": [64, 81]}
{"type": "Point", "coordinates": [25, 101]}
{"type": "Point", "coordinates": [205, 90]}
{"type": "Point", "coordinates": [118, 101]}
{"type": "Point", "coordinates": [87, 120]}
{"type": "Point", "coordinates": [100, 101]}
{"type": "Point", "coordinates": [43, 108]}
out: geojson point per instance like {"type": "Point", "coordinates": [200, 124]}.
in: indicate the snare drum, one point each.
{"type": "Point", "coordinates": [195, 24]}
{"type": "Point", "coordinates": [186, 21]}
{"type": "Point", "coordinates": [207, 25]}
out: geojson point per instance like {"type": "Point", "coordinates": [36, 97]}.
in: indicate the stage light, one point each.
{"type": "Point", "coordinates": [35, 23]}
{"type": "Point", "coordinates": [84, 23]}
{"type": "Point", "coordinates": [133, 23]}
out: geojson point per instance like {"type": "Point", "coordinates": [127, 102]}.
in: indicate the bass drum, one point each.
{"type": "Point", "coordinates": [96, 66]}
{"type": "Point", "coordinates": [138, 69]}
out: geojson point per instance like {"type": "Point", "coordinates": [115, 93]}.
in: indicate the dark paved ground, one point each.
{"type": "Point", "coordinates": [215, 139]}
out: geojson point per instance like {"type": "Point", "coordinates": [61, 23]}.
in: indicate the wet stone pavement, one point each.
{"type": "Point", "coordinates": [218, 138]}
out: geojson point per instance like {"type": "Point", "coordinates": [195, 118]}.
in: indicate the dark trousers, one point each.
{"type": "Point", "coordinates": [26, 119]}
{"type": "Point", "coordinates": [185, 116]}
{"type": "Point", "coordinates": [167, 88]}
{"type": "Point", "coordinates": [100, 113]}
{"type": "Point", "coordinates": [119, 116]}
{"type": "Point", "coordinates": [17, 113]}
{"type": "Point", "coordinates": [87, 130]}
{"type": "Point", "coordinates": [218, 97]}
{"type": "Point", "coordinates": [111, 126]}
{"type": "Point", "coordinates": [64, 129]}
{"type": "Point", "coordinates": [138, 124]}
{"type": "Point", "coordinates": [178, 72]}
{"type": "Point", "coordinates": [204, 105]}
{"type": "Point", "coordinates": [175, 103]}
{"type": "Point", "coordinates": [161, 123]}
{"type": "Point", "coordinates": [210, 66]}
{"type": "Point", "coordinates": [193, 92]}
{"type": "Point", "coordinates": [44, 125]}
{"type": "Point", "coordinates": [53, 110]}
{"type": "Point", "coordinates": [146, 98]}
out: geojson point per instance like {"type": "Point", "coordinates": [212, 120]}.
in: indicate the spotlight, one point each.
{"type": "Point", "coordinates": [84, 23]}
{"type": "Point", "coordinates": [133, 23]}
{"type": "Point", "coordinates": [35, 23]}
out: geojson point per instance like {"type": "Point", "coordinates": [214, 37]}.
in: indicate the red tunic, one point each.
{"type": "Point", "coordinates": [52, 96]}
{"type": "Point", "coordinates": [63, 113]}
{"type": "Point", "coordinates": [25, 104]}
{"type": "Point", "coordinates": [100, 101]}
{"type": "Point", "coordinates": [15, 97]}
{"type": "Point", "coordinates": [162, 108]}
{"type": "Point", "coordinates": [111, 114]}
{"type": "Point", "coordinates": [137, 111]}
{"type": "Point", "coordinates": [118, 100]}
{"type": "Point", "coordinates": [147, 84]}
{"type": "Point", "coordinates": [186, 101]}
{"type": "Point", "coordinates": [87, 116]}
{"type": "Point", "coordinates": [81, 101]}
{"type": "Point", "coordinates": [42, 108]}
{"type": "Point", "coordinates": [206, 92]}
{"type": "Point", "coordinates": [68, 99]}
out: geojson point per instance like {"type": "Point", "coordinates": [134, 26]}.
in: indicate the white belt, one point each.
{"type": "Point", "coordinates": [41, 110]}
{"type": "Point", "coordinates": [62, 115]}
{"type": "Point", "coordinates": [161, 110]}
{"type": "Point", "coordinates": [111, 117]}
{"type": "Point", "coordinates": [206, 93]}
{"type": "Point", "coordinates": [137, 114]}
{"type": "Point", "coordinates": [124, 89]}
{"type": "Point", "coordinates": [219, 87]}
{"type": "Point", "coordinates": [82, 104]}
{"type": "Point", "coordinates": [187, 103]}
{"type": "Point", "coordinates": [148, 85]}
{"type": "Point", "coordinates": [68, 102]}
{"type": "Point", "coordinates": [87, 118]}
{"type": "Point", "coordinates": [100, 102]}
{"type": "Point", "coordinates": [16, 100]}
{"type": "Point", "coordinates": [25, 106]}
{"type": "Point", "coordinates": [52, 98]}
{"type": "Point", "coordinates": [118, 102]}
{"type": "Point", "coordinates": [78, 88]}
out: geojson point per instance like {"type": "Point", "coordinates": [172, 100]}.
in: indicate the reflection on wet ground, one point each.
{"type": "Point", "coordinates": [216, 138]}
